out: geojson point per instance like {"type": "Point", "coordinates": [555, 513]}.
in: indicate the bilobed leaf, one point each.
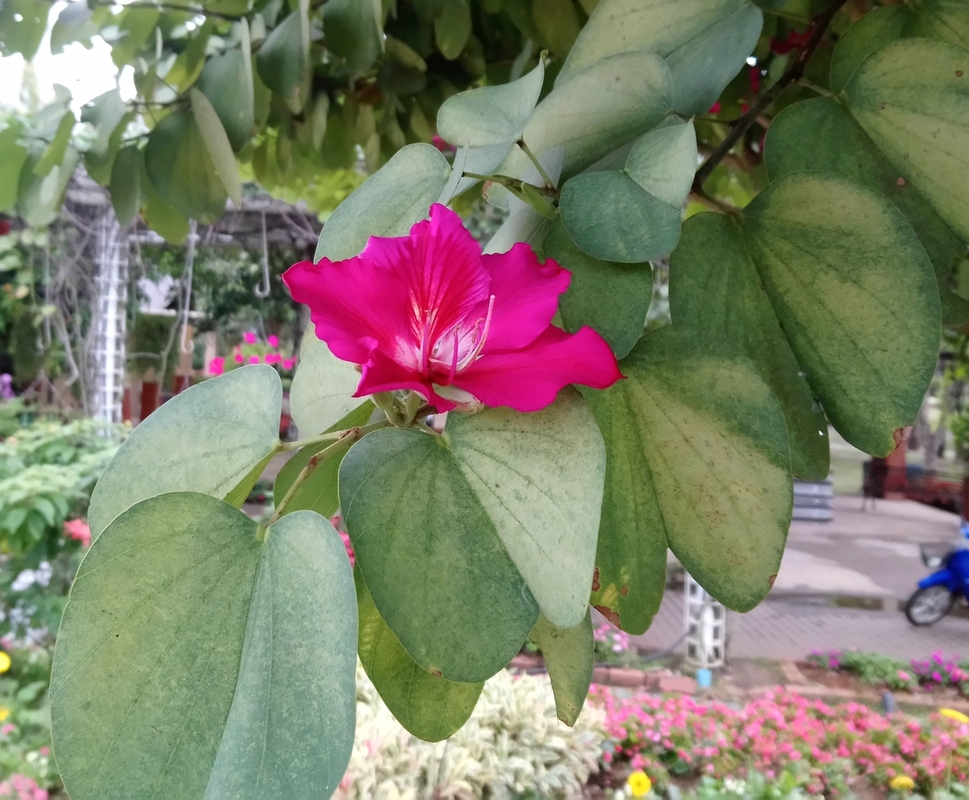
{"type": "Point", "coordinates": [632, 215]}
{"type": "Point", "coordinates": [491, 115]}
{"type": "Point", "coordinates": [613, 299]}
{"type": "Point", "coordinates": [126, 185]}
{"type": "Point", "coordinates": [568, 657]}
{"type": "Point", "coordinates": [856, 297]}
{"type": "Point", "coordinates": [181, 169]}
{"type": "Point", "coordinates": [910, 97]}
{"type": "Point", "coordinates": [452, 27]}
{"type": "Point", "coordinates": [945, 20]}
{"type": "Point", "coordinates": [539, 478]}
{"type": "Point", "coordinates": [699, 459]}
{"type": "Point", "coordinates": [218, 145]}
{"type": "Point", "coordinates": [705, 42]}
{"type": "Point", "coordinates": [820, 134]}
{"type": "Point", "coordinates": [281, 58]}
{"type": "Point", "coordinates": [205, 439]}
{"type": "Point", "coordinates": [601, 108]}
{"type": "Point", "coordinates": [428, 706]}
{"type": "Point", "coordinates": [387, 204]}
{"type": "Point", "coordinates": [319, 491]}
{"type": "Point", "coordinates": [716, 290]}
{"type": "Point", "coordinates": [14, 156]}
{"type": "Point", "coordinates": [227, 82]}
{"type": "Point", "coordinates": [438, 573]}
{"type": "Point", "coordinates": [353, 31]}
{"type": "Point", "coordinates": [323, 387]}
{"type": "Point", "coordinates": [198, 658]}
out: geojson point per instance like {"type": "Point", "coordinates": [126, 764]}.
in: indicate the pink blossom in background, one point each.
{"type": "Point", "coordinates": [78, 530]}
{"type": "Point", "coordinates": [273, 358]}
{"type": "Point", "coordinates": [249, 338]}
{"type": "Point", "coordinates": [239, 358]}
{"type": "Point", "coordinates": [7, 728]}
{"type": "Point", "coordinates": [22, 788]}
{"type": "Point", "coordinates": [254, 359]}
{"type": "Point", "coordinates": [429, 312]}
{"type": "Point", "coordinates": [217, 366]}
{"type": "Point", "coordinates": [288, 363]}
{"type": "Point", "coordinates": [272, 341]}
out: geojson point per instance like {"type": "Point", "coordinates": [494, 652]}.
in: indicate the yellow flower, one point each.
{"type": "Point", "coordinates": [639, 784]}
{"type": "Point", "coordinates": [4, 713]}
{"type": "Point", "coordinates": [951, 713]}
{"type": "Point", "coordinates": [902, 783]}
{"type": "Point", "coordinates": [4, 662]}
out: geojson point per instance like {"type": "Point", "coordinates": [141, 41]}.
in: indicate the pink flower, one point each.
{"type": "Point", "coordinates": [239, 358]}
{"type": "Point", "coordinates": [288, 363]}
{"type": "Point", "coordinates": [253, 359]}
{"type": "Point", "coordinates": [78, 530]}
{"type": "Point", "coordinates": [428, 312]}
{"type": "Point", "coordinates": [273, 358]}
{"type": "Point", "coordinates": [272, 341]}
{"type": "Point", "coordinates": [217, 366]}
{"type": "Point", "coordinates": [249, 338]}
{"type": "Point", "coordinates": [8, 728]}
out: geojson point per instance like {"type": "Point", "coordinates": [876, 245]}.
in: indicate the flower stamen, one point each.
{"type": "Point", "coordinates": [471, 357]}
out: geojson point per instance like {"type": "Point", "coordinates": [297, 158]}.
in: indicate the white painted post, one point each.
{"type": "Point", "coordinates": [706, 627]}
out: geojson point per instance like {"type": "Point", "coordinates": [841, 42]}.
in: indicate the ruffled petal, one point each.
{"type": "Point", "coordinates": [440, 266]}
{"type": "Point", "coordinates": [526, 296]}
{"type": "Point", "coordinates": [356, 305]}
{"type": "Point", "coordinates": [529, 379]}
{"type": "Point", "coordinates": [382, 374]}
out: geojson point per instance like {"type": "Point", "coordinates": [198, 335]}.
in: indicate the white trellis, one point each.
{"type": "Point", "coordinates": [108, 353]}
{"type": "Point", "coordinates": [706, 627]}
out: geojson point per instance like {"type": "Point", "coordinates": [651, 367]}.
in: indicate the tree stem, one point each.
{"type": "Point", "coordinates": [538, 164]}
{"type": "Point", "coordinates": [792, 76]}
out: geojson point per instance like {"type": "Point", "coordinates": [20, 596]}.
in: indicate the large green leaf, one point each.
{"type": "Point", "coordinates": [632, 215]}
{"type": "Point", "coordinates": [698, 458]}
{"type": "Point", "coordinates": [353, 31]}
{"type": "Point", "coordinates": [135, 25]}
{"type": "Point", "coordinates": [202, 656]}
{"type": "Point", "coordinates": [54, 154]}
{"type": "Point", "coordinates": [40, 197]}
{"type": "Point", "coordinates": [217, 143]}
{"type": "Point", "coordinates": [323, 387]}
{"type": "Point", "coordinates": [12, 158]}
{"type": "Point", "coordinates": [491, 115]}
{"type": "Point", "coordinates": [22, 26]}
{"type": "Point", "coordinates": [856, 298]}
{"type": "Point", "coordinates": [601, 108]}
{"type": "Point", "coordinates": [432, 559]}
{"type": "Point", "coordinates": [387, 204]}
{"type": "Point", "coordinates": [281, 59]}
{"type": "Point", "coordinates": [158, 214]}
{"type": "Point", "coordinates": [429, 706]}
{"type": "Point", "coordinates": [910, 97]}
{"type": "Point", "coordinates": [716, 290]}
{"type": "Point", "coordinates": [452, 27]}
{"type": "Point", "coordinates": [557, 23]}
{"type": "Point", "coordinates": [109, 115]}
{"type": "Point", "coordinates": [472, 505]}
{"type": "Point", "coordinates": [569, 658]}
{"type": "Point", "coordinates": [946, 20]}
{"type": "Point", "coordinates": [181, 169]}
{"type": "Point", "coordinates": [126, 185]}
{"type": "Point", "coordinates": [611, 298]}
{"type": "Point", "coordinates": [74, 24]}
{"type": "Point", "coordinates": [820, 134]}
{"type": "Point", "coordinates": [705, 42]}
{"type": "Point", "coordinates": [227, 82]}
{"type": "Point", "coordinates": [203, 440]}
{"type": "Point", "coordinates": [319, 491]}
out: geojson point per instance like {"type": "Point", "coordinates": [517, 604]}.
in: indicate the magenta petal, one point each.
{"type": "Point", "coordinates": [382, 374]}
{"type": "Point", "coordinates": [440, 265]}
{"type": "Point", "coordinates": [354, 304]}
{"type": "Point", "coordinates": [528, 379]}
{"type": "Point", "coordinates": [526, 296]}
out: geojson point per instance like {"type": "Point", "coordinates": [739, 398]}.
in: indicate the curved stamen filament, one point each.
{"type": "Point", "coordinates": [482, 338]}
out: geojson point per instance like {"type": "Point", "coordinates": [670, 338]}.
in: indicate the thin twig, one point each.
{"type": "Point", "coordinates": [549, 184]}
{"type": "Point", "coordinates": [789, 78]}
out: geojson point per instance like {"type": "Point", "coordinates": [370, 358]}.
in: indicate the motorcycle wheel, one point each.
{"type": "Point", "coordinates": [927, 606]}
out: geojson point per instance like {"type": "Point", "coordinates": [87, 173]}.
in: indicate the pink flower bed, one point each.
{"type": "Point", "coordinates": [828, 745]}
{"type": "Point", "coordinates": [22, 788]}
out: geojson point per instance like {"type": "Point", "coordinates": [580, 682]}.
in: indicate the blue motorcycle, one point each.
{"type": "Point", "coordinates": [939, 591]}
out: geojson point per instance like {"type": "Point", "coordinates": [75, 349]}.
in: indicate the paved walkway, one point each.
{"type": "Point", "coordinates": [791, 628]}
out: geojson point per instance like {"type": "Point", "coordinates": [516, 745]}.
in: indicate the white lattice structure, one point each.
{"type": "Point", "coordinates": [706, 627]}
{"type": "Point", "coordinates": [108, 353]}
